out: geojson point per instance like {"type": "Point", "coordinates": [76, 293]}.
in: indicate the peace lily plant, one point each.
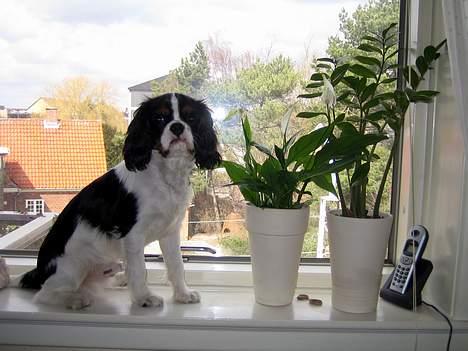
{"type": "Point", "coordinates": [278, 178]}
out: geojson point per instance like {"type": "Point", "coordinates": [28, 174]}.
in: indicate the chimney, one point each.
{"type": "Point", "coordinates": [3, 112]}
{"type": "Point", "coordinates": [4, 151]}
{"type": "Point", "coordinates": [51, 113]}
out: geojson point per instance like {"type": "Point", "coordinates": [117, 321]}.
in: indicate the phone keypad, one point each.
{"type": "Point", "coordinates": [401, 273]}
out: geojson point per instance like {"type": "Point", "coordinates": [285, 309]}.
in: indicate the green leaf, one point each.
{"type": "Point", "coordinates": [392, 54]}
{"type": "Point", "coordinates": [326, 59]}
{"type": "Point", "coordinates": [325, 182]}
{"type": "Point", "coordinates": [373, 39]}
{"type": "Point", "coordinates": [338, 74]}
{"type": "Point", "coordinates": [389, 80]}
{"type": "Point", "coordinates": [233, 113]}
{"type": "Point", "coordinates": [376, 116]}
{"type": "Point", "coordinates": [247, 131]}
{"type": "Point", "coordinates": [368, 91]}
{"type": "Point", "coordinates": [352, 82]}
{"type": "Point", "coordinates": [430, 53]}
{"type": "Point", "coordinates": [368, 60]}
{"type": "Point", "coordinates": [414, 79]}
{"type": "Point", "coordinates": [428, 93]}
{"type": "Point", "coordinates": [369, 48]}
{"type": "Point", "coordinates": [315, 84]}
{"type": "Point", "coordinates": [309, 114]}
{"type": "Point", "coordinates": [360, 174]}
{"type": "Point", "coordinates": [422, 65]}
{"type": "Point", "coordinates": [323, 65]}
{"type": "Point", "coordinates": [280, 156]}
{"type": "Point", "coordinates": [285, 121]}
{"type": "Point", "coordinates": [317, 76]}
{"type": "Point", "coordinates": [310, 96]}
{"type": "Point", "coordinates": [344, 95]}
{"type": "Point", "coordinates": [362, 71]}
{"type": "Point", "coordinates": [347, 128]}
{"type": "Point", "coordinates": [386, 30]}
{"type": "Point", "coordinates": [235, 171]}
{"type": "Point", "coordinates": [384, 96]}
{"type": "Point", "coordinates": [347, 145]}
{"type": "Point", "coordinates": [307, 144]}
{"type": "Point", "coordinates": [371, 103]}
{"type": "Point", "coordinates": [262, 148]}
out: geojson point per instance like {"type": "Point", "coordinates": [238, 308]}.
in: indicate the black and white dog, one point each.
{"type": "Point", "coordinates": [141, 200]}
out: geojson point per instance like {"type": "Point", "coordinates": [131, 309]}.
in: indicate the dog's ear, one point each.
{"type": "Point", "coordinates": [206, 142]}
{"type": "Point", "coordinates": [138, 145]}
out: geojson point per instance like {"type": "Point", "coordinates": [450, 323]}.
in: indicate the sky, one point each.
{"type": "Point", "coordinates": [126, 42]}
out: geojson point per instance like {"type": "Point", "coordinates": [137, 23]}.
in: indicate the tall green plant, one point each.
{"type": "Point", "coordinates": [369, 104]}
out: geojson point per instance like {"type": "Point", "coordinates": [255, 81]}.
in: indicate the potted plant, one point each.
{"type": "Point", "coordinates": [274, 183]}
{"type": "Point", "coordinates": [368, 103]}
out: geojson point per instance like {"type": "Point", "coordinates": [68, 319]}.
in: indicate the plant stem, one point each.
{"type": "Point", "coordinates": [344, 209]}
{"type": "Point", "coordinates": [378, 199]}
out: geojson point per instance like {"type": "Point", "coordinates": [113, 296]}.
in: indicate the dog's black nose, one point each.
{"type": "Point", "coordinates": [177, 128]}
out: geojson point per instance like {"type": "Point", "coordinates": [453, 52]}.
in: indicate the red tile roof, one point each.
{"type": "Point", "coordinates": [67, 157]}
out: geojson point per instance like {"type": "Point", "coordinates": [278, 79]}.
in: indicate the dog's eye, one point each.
{"type": "Point", "coordinates": [159, 117]}
{"type": "Point", "coordinates": [190, 118]}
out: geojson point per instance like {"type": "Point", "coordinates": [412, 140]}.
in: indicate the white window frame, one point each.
{"type": "Point", "coordinates": [37, 205]}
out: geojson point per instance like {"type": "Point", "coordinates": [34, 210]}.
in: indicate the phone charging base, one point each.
{"type": "Point", "coordinates": [423, 270]}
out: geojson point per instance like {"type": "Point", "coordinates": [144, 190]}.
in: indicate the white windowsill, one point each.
{"type": "Point", "coordinates": [227, 318]}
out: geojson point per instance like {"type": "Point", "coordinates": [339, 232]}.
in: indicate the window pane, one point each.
{"type": "Point", "coordinates": [257, 56]}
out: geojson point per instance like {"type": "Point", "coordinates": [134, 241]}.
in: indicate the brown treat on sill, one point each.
{"type": "Point", "coordinates": [315, 302]}
{"type": "Point", "coordinates": [302, 297]}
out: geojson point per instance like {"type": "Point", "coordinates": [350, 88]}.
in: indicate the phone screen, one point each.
{"type": "Point", "coordinates": [409, 248]}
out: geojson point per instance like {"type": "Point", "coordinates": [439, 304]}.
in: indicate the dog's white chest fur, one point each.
{"type": "Point", "coordinates": [162, 203]}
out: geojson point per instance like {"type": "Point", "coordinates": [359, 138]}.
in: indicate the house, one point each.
{"type": "Point", "coordinates": [43, 107]}
{"type": "Point", "coordinates": [17, 112]}
{"type": "Point", "coordinates": [42, 173]}
{"type": "Point", "coordinates": [140, 92]}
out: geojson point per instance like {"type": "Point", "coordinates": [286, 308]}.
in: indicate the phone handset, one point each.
{"type": "Point", "coordinates": [412, 253]}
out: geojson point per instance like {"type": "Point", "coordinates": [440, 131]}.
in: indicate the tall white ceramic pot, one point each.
{"type": "Point", "coordinates": [357, 255]}
{"type": "Point", "coordinates": [276, 237]}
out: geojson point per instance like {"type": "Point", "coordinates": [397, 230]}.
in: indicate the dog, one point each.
{"type": "Point", "coordinates": [142, 199]}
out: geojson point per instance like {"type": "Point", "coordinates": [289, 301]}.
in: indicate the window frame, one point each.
{"type": "Point", "coordinates": [35, 203]}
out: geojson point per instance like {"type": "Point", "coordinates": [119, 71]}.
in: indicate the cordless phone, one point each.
{"type": "Point", "coordinates": [412, 252]}
{"type": "Point", "coordinates": [398, 288]}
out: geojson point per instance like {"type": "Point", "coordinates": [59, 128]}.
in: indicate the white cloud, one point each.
{"type": "Point", "coordinates": [125, 42]}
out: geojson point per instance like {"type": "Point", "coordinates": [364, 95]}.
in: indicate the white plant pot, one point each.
{"type": "Point", "coordinates": [357, 256]}
{"type": "Point", "coordinates": [276, 237]}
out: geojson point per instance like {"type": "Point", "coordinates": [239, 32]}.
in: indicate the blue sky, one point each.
{"type": "Point", "coordinates": [125, 42]}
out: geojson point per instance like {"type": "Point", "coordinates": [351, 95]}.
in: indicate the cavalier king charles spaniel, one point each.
{"type": "Point", "coordinates": [142, 199]}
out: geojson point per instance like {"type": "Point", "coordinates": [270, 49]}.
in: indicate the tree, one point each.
{"type": "Point", "coordinates": [190, 77]}
{"type": "Point", "coordinates": [265, 91]}
{"type": "Point", "coordinates": [79, 98]}
{"type": "Point", "coordinates": [371, 17]}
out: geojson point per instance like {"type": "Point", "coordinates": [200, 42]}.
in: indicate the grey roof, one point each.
{"type": "Point", "coordinates": [146, 86]}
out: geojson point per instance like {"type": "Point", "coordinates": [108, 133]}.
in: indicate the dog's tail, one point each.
{"type": "Point", "coordinates": [31, 280]}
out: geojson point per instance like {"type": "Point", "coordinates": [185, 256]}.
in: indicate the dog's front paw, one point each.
{"type": "Point", "coordinates": [120, 280]}
{"type": "Point", "coordinates": [188, 296]}
{"type": "Point", "coordinates": [77, 301]}
{"type": "Point", "coordinates": [149, 301]}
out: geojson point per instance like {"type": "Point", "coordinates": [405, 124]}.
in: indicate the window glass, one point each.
{"type": "Point", "coordinates": [35, 206]}
{"type": "Point", "coordinates": [66, 65]}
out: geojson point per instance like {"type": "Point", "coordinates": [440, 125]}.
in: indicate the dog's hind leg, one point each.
{"type": "Point", "coordinates": [65, 286]}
